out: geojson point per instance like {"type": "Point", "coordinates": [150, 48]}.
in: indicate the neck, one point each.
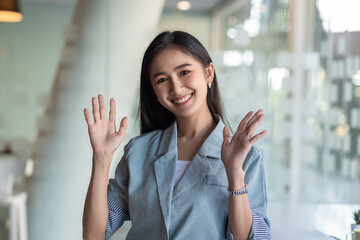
{"type": "Point", "coordinates": [195, 126]}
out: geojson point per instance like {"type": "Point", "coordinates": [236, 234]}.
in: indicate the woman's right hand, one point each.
{"type": "Point", "coordinates": [103, 135]}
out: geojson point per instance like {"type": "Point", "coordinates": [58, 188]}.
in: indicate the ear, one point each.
{"type": "Point", "coordinates": [209, 71]}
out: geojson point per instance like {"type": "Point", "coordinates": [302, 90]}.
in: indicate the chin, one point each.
{"type": "Point", "coordinates": [184, 114]}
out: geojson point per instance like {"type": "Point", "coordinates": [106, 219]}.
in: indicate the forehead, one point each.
{"type": "Point", "coordinates": [170, 57]}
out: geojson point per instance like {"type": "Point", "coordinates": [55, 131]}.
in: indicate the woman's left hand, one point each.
{"type": "Point", "coordinates": [233, 153]}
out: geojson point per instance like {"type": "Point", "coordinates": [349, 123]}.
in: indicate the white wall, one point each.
{"type": "Point", "coordinates": [29, 56]}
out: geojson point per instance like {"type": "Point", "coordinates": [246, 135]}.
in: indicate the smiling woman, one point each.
{"type": "Point", "coordinates": [185, 176]}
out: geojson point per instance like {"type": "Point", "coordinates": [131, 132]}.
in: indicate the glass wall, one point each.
{"type": "Point", "coordinates": [305, 74]}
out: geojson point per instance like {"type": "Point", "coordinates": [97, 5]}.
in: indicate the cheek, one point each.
{"type": "Point", "coordinates": [201, 85]}
{"type": "Point", "coordinates": [160, 94]}
{"type": "Point", "coordinates": [198, 81]}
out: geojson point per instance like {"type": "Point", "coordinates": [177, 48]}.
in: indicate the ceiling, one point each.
{"type": "Point", "coordinates": [48, 1]}
{"type": "Point", "coordinates": [196, 5]}
{"type": "Point", "coordinates": [202, 6]}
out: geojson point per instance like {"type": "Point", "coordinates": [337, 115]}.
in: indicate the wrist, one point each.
{"type": "Point", "coordinates": [239, 191]}
{"type": "Point", "coordinates": [236, 179]}
{"type": "Point", "coordinates": [102, 161]}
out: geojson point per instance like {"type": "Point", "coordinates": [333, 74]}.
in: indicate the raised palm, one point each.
{"type": "Point", "coordinates": [233, 153]}
{"type": "Point", "coordinates": [103, 135]}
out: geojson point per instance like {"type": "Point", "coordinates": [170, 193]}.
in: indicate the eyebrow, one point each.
{"type": "Point", "coordinates": [176, 68]}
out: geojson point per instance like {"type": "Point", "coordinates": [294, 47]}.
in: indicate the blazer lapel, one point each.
{"type": "Point", "coordinates": [164, 168]}
{"type": "Point", "coordinates": [198, 169]}
{"type": "Point", "coordinates": [203, 162]}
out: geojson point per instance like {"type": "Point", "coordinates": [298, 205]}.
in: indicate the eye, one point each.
{"type": "Point", "coordinates": [161, 80]}
{"type": "Point", "coordinates": [184, 72]}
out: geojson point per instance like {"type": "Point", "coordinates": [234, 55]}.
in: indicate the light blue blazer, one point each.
{"type": "Point", "coordinates": [197, 207]}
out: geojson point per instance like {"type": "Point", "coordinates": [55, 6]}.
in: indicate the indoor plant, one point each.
{"type": "Point", "coordinates": [356, 217]}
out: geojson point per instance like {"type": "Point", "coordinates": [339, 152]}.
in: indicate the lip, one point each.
{"type": "Point", "coordinates": [183, 97]}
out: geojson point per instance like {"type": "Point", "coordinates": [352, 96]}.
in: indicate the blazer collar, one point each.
{"type": "Point", "coordinates": [210, 148]}
{"type": "Point", "coordinates": [212, 145]}
{"type": "Point", "coordinates": [168, 139]}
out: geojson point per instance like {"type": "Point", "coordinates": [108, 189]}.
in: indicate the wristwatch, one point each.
{"type": "Point", "coordinates": [240, 191]}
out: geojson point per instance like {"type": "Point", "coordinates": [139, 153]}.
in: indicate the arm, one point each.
{"type": "Point", "coordinates": [96, 209]}
{"type": "Point", "coordinates": [233, 155]}
{"type": "Point", "coordinates": [104, 140]}
{"type": "Point", "coordinates": [240, 215]}
{"type": "Point", "coordinates": [255, 179]}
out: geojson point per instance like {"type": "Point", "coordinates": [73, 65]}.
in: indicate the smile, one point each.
{"type": "Point", "coordinates": [182, 99]}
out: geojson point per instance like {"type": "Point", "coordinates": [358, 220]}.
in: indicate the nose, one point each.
{"type": "Point", "coordinates": [176, 85]}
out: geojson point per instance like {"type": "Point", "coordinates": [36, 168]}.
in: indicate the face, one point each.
{"type": "Point", "coordinates": [180, 82]}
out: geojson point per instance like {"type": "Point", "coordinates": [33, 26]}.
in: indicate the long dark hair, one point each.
{"type": "Point", "coordinates": [153, 116]}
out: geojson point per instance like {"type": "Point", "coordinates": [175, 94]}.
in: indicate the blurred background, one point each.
{"type": "Point", "coordinates": [299, 60]}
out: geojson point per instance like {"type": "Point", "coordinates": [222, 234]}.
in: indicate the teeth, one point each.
{"type": "Point", "coordinates": [183, 100]}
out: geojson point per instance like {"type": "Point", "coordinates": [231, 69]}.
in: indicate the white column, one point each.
{"type": "Point", "coordinates": [104, 57]}
{"type": "Point", "coordinates": [131, 27]}
{"type": "Point", "coordinates": [299, 32]}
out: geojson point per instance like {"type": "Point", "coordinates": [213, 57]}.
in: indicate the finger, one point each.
{"type": "Point", "coordinates": [252, 127]}
{"type": "Point", "coordinates": [112, 113]}
{"type": "Point", "coordinates": [255, 117]}
{"type": "Point", "coordinates": [258, 136]}
{"type": "Point", "coordinates": [95, 109]}
{"type": "Point", "coordinates": [255, 124]}
{"type": "Point", "coordinates": [123, 126]}
{"type": "Point", "coordinates": [88, 117]}
{"type": "Point", "coordinates": [226, 138]}
{"type": "Point", "coordinates": [243, 123]}
{"type": "Point", "coordinates": [102, 107]}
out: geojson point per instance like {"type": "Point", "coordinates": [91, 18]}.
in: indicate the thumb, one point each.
{"type": "Point", "coordinates": [226, 136]}
{"type": "Point", "coordinates": [123, 126]}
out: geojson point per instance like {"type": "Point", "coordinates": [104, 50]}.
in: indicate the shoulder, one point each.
{"type": "Point", "coordinates": [254, 159]}
{"type": "Point", "coordinates": [144, 141]}
{"type": "Point", "coordinates": [255, 151]}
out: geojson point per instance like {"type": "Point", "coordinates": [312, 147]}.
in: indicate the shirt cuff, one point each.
{"type": "Point", "coordinates": [116, 218]}
{"type": "Point", "coordinates": [259, 229]}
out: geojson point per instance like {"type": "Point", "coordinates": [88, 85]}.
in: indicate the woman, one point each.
{"type": "Point", "coordinates": [184, 177]}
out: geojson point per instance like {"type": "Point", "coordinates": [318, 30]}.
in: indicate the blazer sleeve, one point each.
{"type": "Point", "coordinates": [117, 195]}
{"type": "Point", "coordinates": [257, 193]}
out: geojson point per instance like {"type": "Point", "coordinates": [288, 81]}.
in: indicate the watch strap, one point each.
{"type": "Point", "coordinates": [240, 191]}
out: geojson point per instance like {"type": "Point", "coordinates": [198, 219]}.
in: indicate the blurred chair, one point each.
{"type": "Point", "coordinates": [21, 148]}
{"type": "Point", "coordinates": [10, 167]}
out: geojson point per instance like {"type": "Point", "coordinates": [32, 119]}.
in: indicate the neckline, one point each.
{"type": "Point", "coordinates": [183, 161]}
